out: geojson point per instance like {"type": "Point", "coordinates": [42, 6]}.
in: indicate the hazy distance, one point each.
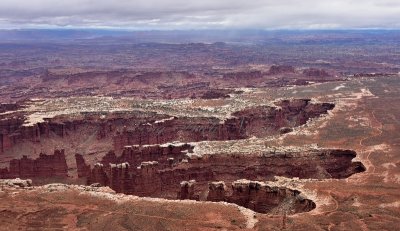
{"type": "Point", "coordinates": [205, 14]}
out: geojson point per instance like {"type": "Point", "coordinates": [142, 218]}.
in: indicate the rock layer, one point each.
{"type": "Point", "coordinates": [162, 179]}
{"type": "Point", "coordinates": [131, 128]}
{"type": "Point", "coordinates": [44, 166]}
{"type": "Point", "coordinates": [257, 121]}
{"type": "Point", "coordinates": [263, 198]}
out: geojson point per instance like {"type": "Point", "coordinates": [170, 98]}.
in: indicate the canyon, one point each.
{"type": "Point", "coordinates": [167, 173]}
{"type": "Point", "coordinates": [135, 127]}
{"type": "Point", "coordinates": [263, 131]}
{"type": "Point", "coordinates": [146, 159]}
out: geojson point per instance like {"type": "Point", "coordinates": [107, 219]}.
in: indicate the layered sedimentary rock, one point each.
{"type": "Point", "coordinates": [141, 166]}
{"type": "Point", "coordinates": [313, 72]}
{"type": "Point", "coordinates": [246, 75]}
{"type": "Point", "coordinates": [263, 198]}
{"type": "Point", "coordinates": [153, 178]}
{"type": "Point", "coordinates": [120, 179]}
{"type": "Point", "coordinates": [82, 168]}
{"type": "Point", "coordinates": [9, 133]}
{"type": "Point", "coordinates": [216, 94]}
{"type": "Point", "coordinates": [98, 175]}
{"type": "Point", "coordinates": [137, 174]}
{"type": "Point", "coordinates": [147, 180]}
{"type": "Point", "coordinates": [183, 129]}
{"type": "Point", "coordinates": [142, 180]}
{"type": "Point", "coordinates": [263, 121]}
{"type": "Point", "coordinates": [166, 154]}
{"type": "Point", "coordinates": [260, 197]}
{"type": "Point", "coordinates": [15, 129]}
{"type": "Point", "coordinates": [256, 121]}
{"type": "Point", "coordinates": [5, 142]}
{"type": "Point", "coordinates": [44, 166]}
{"type": "Point", "coordinates": [320, 164]}
{"type": "Point", "coordinates": [217, 191]}
{"type": "Point", "coordinates": [187, 190]}
{"type": "Point", "coordinates": [280, 69]}
{"type": "Point", "coordinates": [16, 183]}
{"type": "Point", "coordinates": [140, 128]}
{"type": "Point", "coordinates": [4, 107]}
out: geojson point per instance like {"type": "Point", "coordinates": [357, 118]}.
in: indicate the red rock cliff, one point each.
{"type": "Point", "coordinates": [43, 166]}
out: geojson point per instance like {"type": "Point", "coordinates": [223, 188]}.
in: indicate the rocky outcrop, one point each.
{"type": "Point", "coordinates": [317, 164]}
{"type": "Point", "coordinates": [280, 69]}
{"type": "Point", "coordinates": [9, 133]}
{"type": "Point", "coordinates": [82, 168]}
{"type": "Point", "coordinates": [263, 198]}
{"type": "Point", "coordinates": [264, 121]}
{"type": "Point", "coordinates": [313, 72]}
{"type": "Point", "coordinates": [143, 180]}
{"type": "Point", "coordinates": [44, 166]}
{"type": "Point", "coordinates": [166, 154]}
{"type": "Point", "coordinates": [16, 183]}
{"type": "Point", "coordinates": [147, 179]}
{"type": "Point", "coordinates": [110, 158]}
{"type": "Point", "coordinates": [153, 178]}
{"type": "Point", "coordinates": [260, 197]}
{"type": "Point", "coordinates": [246, 75]}
{"type": "Point", "coordinates": [374, 74]}
{"type": "Point", "coordinates": [216, 94]}
{"type": "Point", "coordinates": [187, 191]}
{"type": "Point", "coordinates": [285, 130]}
{"type": "Point", "coordinates": [5, 107]}
{"type": "Point", "coordinates": [183, 129]}
{"type": "Point", "coordinates": [120, 178]}
{"type": "Point", "coordinates": [216, 191]}
{"type": "Point", "coordinates": [6, 142]}
{"type": "Point", "coordinates": [98, 175]}
{"type": "Point", "coordinates": [255, 121]}
{"type": "Point", "coordinates": [14, 131]}
{"type": "Point", "coordinates": [138, 128]}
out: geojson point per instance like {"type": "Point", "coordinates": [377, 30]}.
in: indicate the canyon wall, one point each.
{"type": "Point", "coordinates": [44, 166]}
{"type": "Point", "coordinates": [260, 197]}
{"type": "Point", "coordinates": [13, 130]}
{"type": "Point", "coordinates": [139, 128]}
{"type": "Point", "coordinates": [162, 179]}
{"type": "Point", "coordinates": [257, 121]}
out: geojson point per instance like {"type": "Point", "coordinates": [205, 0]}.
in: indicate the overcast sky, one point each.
{"type": "Point", "coordinates": [186, 14]}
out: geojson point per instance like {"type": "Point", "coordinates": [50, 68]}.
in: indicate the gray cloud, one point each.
{"type": "Point", "coordinates": [185, 14]}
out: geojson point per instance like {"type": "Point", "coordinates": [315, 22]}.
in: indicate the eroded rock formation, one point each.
{"type": "Point", "coordinates": [140, 165]}
{"type": "Point", "coordinates": [162, 179]}
{"type": "Point", "coordinates": [263, 198]}
{"type": "Point", "coordinates": [82, 168]}
{"type": "Point", "coordinates": [141, 180]}
{"type": "Point", "coordinates": [141, 128]}
{"type": "Point", "coordinates": [256, 121]}
{"type": "Point", "coordinates": [187, 190]}
{"type": "Point", "coordinates": [246, 75]}
{"type": "Point", "coordinates": [4, 107]}
{"type": "Point", "coordinates": [44, 166]}
{"type": "Point", "coordinates": [166, 154]}
{"type": "Point", "coordinates": [281, 69]}
{"type": "Point", "coordinates": [16, 183]}
{"type": "Point", "coordinates": [313, 72]}
{"type": "Point", "coordinates": [217, 191]}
